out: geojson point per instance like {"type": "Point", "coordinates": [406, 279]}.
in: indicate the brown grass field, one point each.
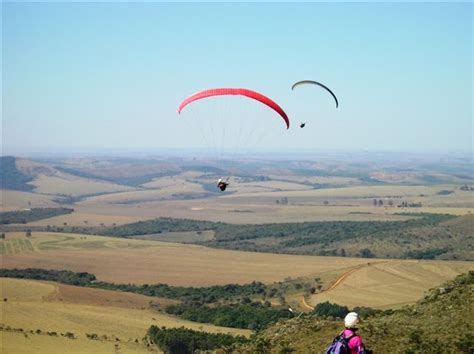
{"type": "Point", "coordinates": [257, 206]}
{"type": "Point", "coordinates": [375, 283]}
{"type": "Point", "coordinates": [49, 307]}
{"type": "Point", "coordinates": [389, 284]}
{"type": "Point", "coordinates": [17, 200]}
{"type": "Point", "coordinates": [141, 261]}
{"type": "Point", "coordinates": [62, 183]}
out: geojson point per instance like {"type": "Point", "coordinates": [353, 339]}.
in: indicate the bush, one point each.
{"type": "Point", "coordinates": [184, 341]}
{"type": "Point", "coordinates": [326, 309]}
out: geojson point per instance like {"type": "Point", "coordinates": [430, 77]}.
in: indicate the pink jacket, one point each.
{"type": "Point", "coordinates": [355, 344]}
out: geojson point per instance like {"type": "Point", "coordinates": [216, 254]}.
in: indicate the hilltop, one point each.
{"type": "Point", "coordinates": [440, 322]}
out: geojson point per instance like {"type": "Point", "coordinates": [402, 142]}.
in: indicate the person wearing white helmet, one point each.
{"type": "Point", "coordinates": [348, 341]}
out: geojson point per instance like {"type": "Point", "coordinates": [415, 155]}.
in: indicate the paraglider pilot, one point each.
{"type": "Point", "coordinates": [222, 185]}
{"type": "Point", "coordinates": [302, 125]}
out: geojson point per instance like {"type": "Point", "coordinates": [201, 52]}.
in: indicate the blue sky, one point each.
{"type": "Point", "coordinates": [111, 75]}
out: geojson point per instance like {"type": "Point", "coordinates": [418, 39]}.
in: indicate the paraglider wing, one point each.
{"type": "Point", "coordinates": [236, 91]}
{"type": "Point", "coordinates": [311, 82]}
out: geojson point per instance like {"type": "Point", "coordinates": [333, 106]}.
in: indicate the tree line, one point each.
{"type": "Point", "coordinates": [26, 216]}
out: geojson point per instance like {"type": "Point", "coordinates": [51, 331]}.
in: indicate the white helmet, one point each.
{"type": "Point", "coordinates": [351, 320]}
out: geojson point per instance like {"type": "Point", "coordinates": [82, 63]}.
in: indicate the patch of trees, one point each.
{"type": "Point", "coordinates": [445, 192]}
{"type": "Point", "coordinates": [466, 188]}
{"type": "Point", "coordinates": [187, 341]}
{"type": "Point", "coordinates": [11, 177]}
{"type": "Point", "coordinates": [431, 253]}
{"type": "Point", "coordinates": [25, 216]}
{"type": "Point", "coordinates": [409, 205]}
{"type": "Point", "coordinates": [251, 315]}
{"type": "Point", "coordinates": [327, 309]}
{"type": "Point", "coordinates": [188, 294]}
{"type": "Point", "coordinates": [61, 276]}
{"type": "Point", "coordinates": [158, 226]}
{"type": "Point", "coordinates": [320, 238]}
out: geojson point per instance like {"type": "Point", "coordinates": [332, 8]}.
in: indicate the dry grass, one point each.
{"type": "Point", "coordinates": [33, 305]}
{"type": "Point", "coordinates": [381, 284]}
{"type": "Point", "coordinates": [18, 343]}
{"type": "Point", "coordinates": [100, 297]}
{"type": "Point", "coordinates": [140, 261]}
{"type": "Point", "coordinates": [17, 200]}
{"type": "Point", "coordinates": [228, 210]}
{"type": "Point", "coordinates": [391, 284]}
{"type": "Point", "coordinates": [79, 218]}
{"type": "Point", "coordinates": [351, 203]}
{"type": "Point", "coordinates": [66, 184]}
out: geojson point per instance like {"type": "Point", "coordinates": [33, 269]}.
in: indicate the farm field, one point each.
{"type": "Point", "coordinates": [17, 200]}
{"type": "Point", "coordinates": [21, 343]}
{"type": "Point", "coordinates": [142, 261]}
{"type": "Point", "coordinates": [84, 218]}
{"type": "Point", "coordinates": [345, 203]}
{"type": "Point", "coordinates": [380, 283]}
{"type": "Point", "coordinates": [389, 284]}
{"type": "Point", "coordinates": [50, 307]}
{"type": "Point", "coordinates": [65, 184]}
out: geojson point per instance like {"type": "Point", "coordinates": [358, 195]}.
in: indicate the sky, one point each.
{"type": "Point", "coordinates": [111, 75]}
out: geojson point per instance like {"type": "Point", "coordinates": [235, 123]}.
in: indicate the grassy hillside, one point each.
{"type": "Point", "coordinates": [26, 216]}
{"type": "Point", "coordinates": [422, 236]}
{"type": "Point", "coordinates": [124, 261]}
{"type": "Point", "coordinates": [44, 317]}
{"type": "Point", "coordinates": [439, 323]}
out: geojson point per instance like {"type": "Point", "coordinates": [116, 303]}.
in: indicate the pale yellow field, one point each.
{"type": "Point", "coordinates": [141, 261]}
{"type": "Point", "coordinates": [172, 181]}
{"type": "Point", "coordinates": [227, 210]}
{"type": "Point", "coordinates": [378, 283]}
{"type": "Point", "coordinates": [351, 203]}
{"type": "Point", "coordinates": [66, 184]}
{"type": "Point", "coordinates": [144, 196]}
{"type": "Point", "coordinates": [19, 343]}
{"type": "Point", "coordinates": [343, 181]}
{"type": "Point", "coordinates": [17, 200]}
{"type": "Point", "coordinates": [391, 284]}
{"type": "Point", "coordinates": [357, 192]}
{"type": "Point", "coordinates": [43, 311]}
{"type": "Point", "coordinates": [266, 186]}
{"type": "Point", "coordinates": [78, 218]}
{"type": "Point", "coordinates": [33, 305]}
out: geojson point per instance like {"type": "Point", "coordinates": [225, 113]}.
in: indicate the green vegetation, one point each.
{"type": "Point", "coordinates": [26, 216]}
{"type": "Point", "coordinates": [445, 192]}
{"type": "Point", "coordinates": [157, 226]}
{"type": "Point", "coordinates": [231, 304]}
{"type": "Point", "coordinates": [439, 323]}
{"type": "Point", "coordinates": [61, 276]}
{"type": "Point", "coordinates": [251, 315]}
{"type": "Point", "coordinates": [188, 294]}
{"type": "Point", "coordinates": [184, 341]}
{"type": "Point", "coordinates": [326, 309]}
{"type": "Point", "coordinates": [17, 245]}
{"type": "Point", "coordinates": [11, 177]}
{"type": "Point", "coordinates": [422, 236]}
{"type": "Point", "coordinates": [384, 239]}
{"type": "Point", "coordinates": [431, 253]}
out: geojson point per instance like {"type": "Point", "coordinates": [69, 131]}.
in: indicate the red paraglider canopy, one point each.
{"type": "Point", "coordinates": [236, 91]}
